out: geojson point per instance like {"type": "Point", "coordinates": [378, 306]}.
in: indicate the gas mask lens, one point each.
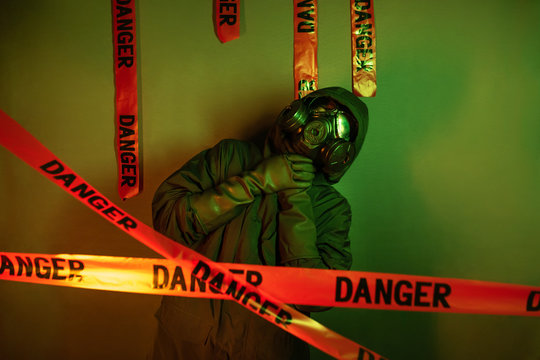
{"type": "Point", "coordinates": [334, 121]}
{"type": "Point", "coordinates": [343, 129]}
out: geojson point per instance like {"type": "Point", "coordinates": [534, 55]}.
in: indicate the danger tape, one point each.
{"type": "Point", "coordinates": [315, 287]}
{"type": "Point", "coordinates": [363, 48]}
{"type": "Point", "coordinates": [126, 101]}
{"type": "Point", "coordinates": [21, 143]}
{"type": "Point", "coordinates": [227, 19]}
{"type": "Point", "coordinates": [306, 42]}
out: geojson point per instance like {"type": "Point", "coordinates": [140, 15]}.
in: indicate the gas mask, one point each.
{"type": "Point", "coordinates": [321, 129]}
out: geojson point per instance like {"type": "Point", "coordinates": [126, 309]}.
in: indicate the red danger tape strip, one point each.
{"type": "Point", "coordinates": [126, 109]}
{"type": "Point", "coordinates": [306, 69]}
{"type": "Point", "coordinates": [21, 143]}
{"type": "Point", "coordinates": [227, 19]}
{"type": "Point", "coordinates": [315, 287]}
{"type": "Point", "coordinates": [363, 48]}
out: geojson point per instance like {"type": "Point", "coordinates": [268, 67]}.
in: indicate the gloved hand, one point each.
{"type": "Point", "coordinates": [281, 172]}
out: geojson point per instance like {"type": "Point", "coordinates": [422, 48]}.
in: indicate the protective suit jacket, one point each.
{"type": "Point", "coordinates": [315, 224]}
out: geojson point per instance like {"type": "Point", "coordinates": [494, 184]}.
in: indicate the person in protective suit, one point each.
{"type": "Point", "coordinates": [234, 204]}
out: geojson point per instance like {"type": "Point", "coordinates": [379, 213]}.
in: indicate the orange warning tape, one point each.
{"type": "Point", "coordinates": [227, 19]}
{"type": "Point", "coordinates": [21, 143]}
{"type": "Point", "coordinates": [306, 69]}
{"type": "Point", "coordinates": [317, 287]}
{"type": "Point", "coordinates": [363, 48]}
{"type": "Point", "coordinates": [126, 109]}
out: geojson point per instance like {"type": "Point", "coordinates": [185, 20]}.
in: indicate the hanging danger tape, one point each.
{"type": "Point", "coordinates": [126, 98]}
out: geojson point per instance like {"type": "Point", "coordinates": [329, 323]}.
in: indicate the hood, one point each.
{"type": "Point", "coordinates": [345, 98]}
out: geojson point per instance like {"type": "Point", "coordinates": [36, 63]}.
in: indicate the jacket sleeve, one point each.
{"type": "Point", "coordinates": [333, 218]}
{"type": "Point", "coordinates": [313, 231]}
{"type": "Point", "coordinates": [211, 176]}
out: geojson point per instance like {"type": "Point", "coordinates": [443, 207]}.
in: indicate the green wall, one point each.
{"type": "Point", "coordinates": [447, 183]}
